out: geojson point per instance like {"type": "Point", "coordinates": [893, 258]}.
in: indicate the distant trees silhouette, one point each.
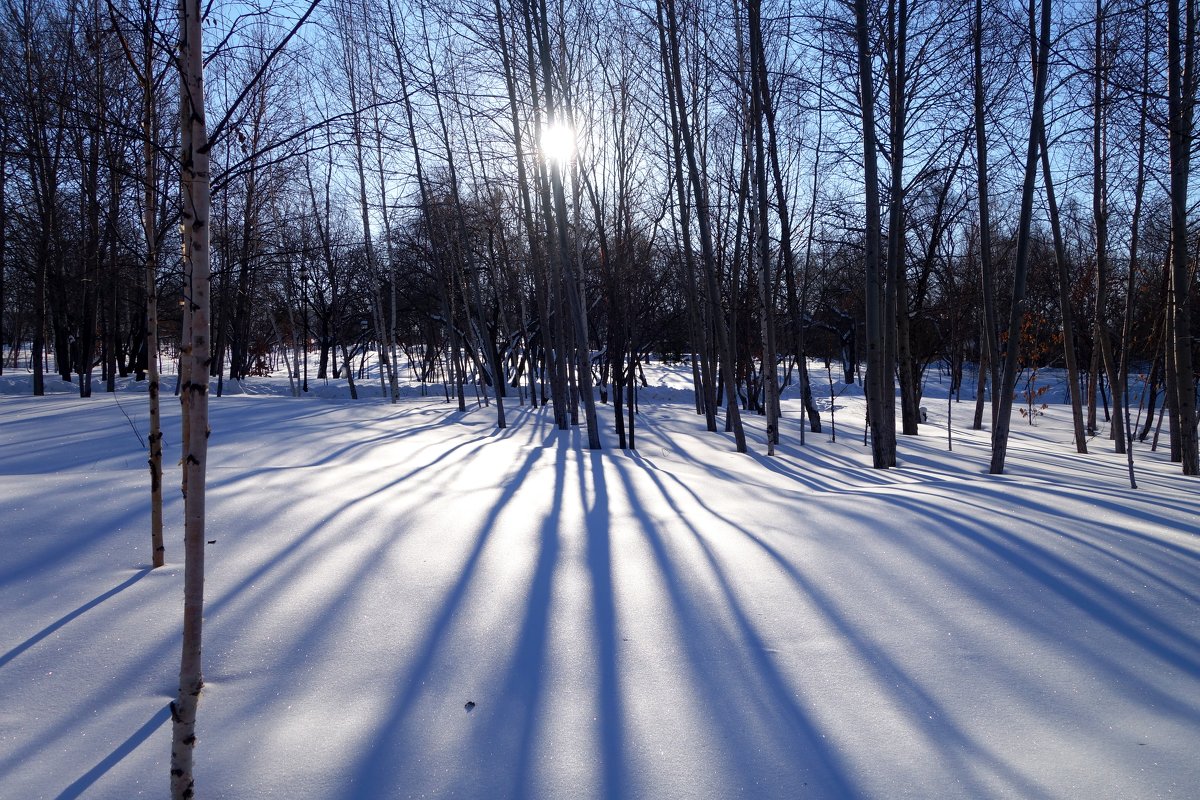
{"type": "Point", "coordinates": [380, 192]}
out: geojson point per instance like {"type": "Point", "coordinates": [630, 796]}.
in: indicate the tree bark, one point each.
{"type": "Point", "coordinates": [1100, 220]}
{"type": "Point", "coordinates": [883, 437]}
{"type": "Point", "coordinates": [706, 244]}
{"type": "Point", "coordinates": [987, 274]}
{"type": "Point", "coordinates": [702, 372]}
{"type": "Point", "coordinates": [1180, 91]}
{"type": "Point", "coordinates": [195, 220]}
{"type": "Point", "coordinates": [898, 348]}
{"type": "Point", "coordinates": [150, 227]}
{"type": "Point", "coordinates": [1021, 268]}
{"type": "Point", "coordinates": [766, 279]}
{"type": "Point", "coordinates": [1064, 303]}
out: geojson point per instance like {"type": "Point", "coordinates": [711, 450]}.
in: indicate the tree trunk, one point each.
{"type": "Point", "coordinates": [566, 267]}
{"type": "Point", "coordinates": [1100, 220]}
{"type": "Point", "coordinates": [536, 256]}
{"type": "Point", "coordinates": [1139, 187]}
{"type": "Point", "coordinates": [3, 232]}
{"type": "Point", "coordinates": [987, 275]}
{"type": "Point", "coordinates": [981, 379]}
{"type": "Point", "coordinates": [1180, 374]}
{"type": "Point", "coordinates": [1021, 268]}
{"type": "Point", "coordinates": [435, 242]}
{"type": "Point", "coordinates": [465, 244]}
{"type": "Point", "coordinates": [898, 348]}
{"type": "Point", "coordinates": [883, 441]}
{"type": "Point", "coordinates": [702, 372]}
{"type": "Point", "coordinates": [706, 244]}
{"type": "Point", "coordinates": [195, 223]}
{"type": "Point", "coordinates": [150, 228]}
{"type": "Point", "coordinates": [1064, 302]}
{"type": "Point", "coordinates": [766, 281]}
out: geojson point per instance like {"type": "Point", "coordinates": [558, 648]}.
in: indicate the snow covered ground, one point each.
{"type": "Point", "coordinates": [404, 602]}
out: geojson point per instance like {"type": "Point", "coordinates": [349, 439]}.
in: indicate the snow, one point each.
{"type": "Point", "coordinates": [679, 622]}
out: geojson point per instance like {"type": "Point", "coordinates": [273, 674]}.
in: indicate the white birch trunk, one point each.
{"type": "Point", "coordinates": [195, 223]}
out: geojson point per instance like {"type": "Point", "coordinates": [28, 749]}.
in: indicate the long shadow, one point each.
{"type": "Point", "coordinates": [522, 693]}
{"type": "Point", "coordinates": [373, 768]}
{"type": "Point", "coordinates": [826, 459]}
{"type": "Point", "coordinates": [151, 657]}
{"type": "Point", "coordinates": [787, 471]}
{"type": "Point", "coordinates": [64, 439]}
{"type": "Point", "coordinates": [293, 564]}
{"type": "Point", "coordinates": [604, 620]}
{"type": "Point", "coordinates": [830, 770]}
{"type": "Point", "coordinates": [653, 470]}
{"type": "Point", "coordinates": [975, 540]}
{"type": "Point", "coordinates": [922, 707]}
{"type": "Point", "coordinates": [1082, 590]}
{"type": "Point", "coordinates": [44, 555]}
{"type": "Point", "coordinates": [1174, 554]}
{"type": "Point", "coordinates": [288, 561]}
{"type": "Point", "coordinates": [122, 750]}
{"type": "Point", "coordinates": [524, 684]}
{"type": "Point", "coordinates": [324, 619]}
{"type": "Point", "coordinates": [1145, 573]}
{"type": "Point", "coordinates": [1115, 496]}
{"type": "Point", "coordinates": [1020, 515]}
{"type": "Point", "coordinates": [360, 442]}
{"type": "Point", "coordinates": [67, 618]}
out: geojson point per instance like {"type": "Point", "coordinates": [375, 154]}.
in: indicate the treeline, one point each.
{"type": "Point", "coordinates": [534, 194]}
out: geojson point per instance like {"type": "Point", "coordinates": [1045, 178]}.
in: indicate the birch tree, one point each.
{"type": "Point", "coordinates": [194, 188]}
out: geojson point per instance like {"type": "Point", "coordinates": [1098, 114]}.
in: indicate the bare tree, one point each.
{"type": "Point", "coordinates": [1100, 206]}
{"type": "Point", "coordinates": [879, 370]}
{"type": "Point", "coordinates": [194, 189]}
{"type": "Point", "coordinates": [699, 197]}
{"type": "Point", "coordinates": [987, 279]}
{"type": "Point", "coordinates": [1181, 92]}
{"type": "Point", "coordinates": [1025, 223]}
{"type": "Point", "coordinates": [766, 285]}
{"type": "Point", "coordinates": [1064, 301]}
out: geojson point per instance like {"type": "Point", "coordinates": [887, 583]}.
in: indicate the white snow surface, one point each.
{"type": "Point", "coordinates": [677, 622]}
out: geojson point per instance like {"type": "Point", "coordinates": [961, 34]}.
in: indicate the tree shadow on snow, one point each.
{"type": "Point", "coordinates": [73, 615]}
{"type": "Point", "coordinates": [768, 736]}
{"type": "Point", "coordinates": [377, 766]}
{"type": "Point", "coordinates": [83, 783]}
{"type": "Point", "coordinates": [760, 724]}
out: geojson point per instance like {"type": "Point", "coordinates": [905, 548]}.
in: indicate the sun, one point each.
{"type": "Point", "coordinates": [558, 143]}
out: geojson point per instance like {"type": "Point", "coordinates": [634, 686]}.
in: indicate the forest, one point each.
{"type": "Point", "coordinates": [531, 202]}
{"type": "Point", "coordinates": [539, 195]}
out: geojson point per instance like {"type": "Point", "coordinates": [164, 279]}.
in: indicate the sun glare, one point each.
{"type": "Point", "coordinates": [558, 143]}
